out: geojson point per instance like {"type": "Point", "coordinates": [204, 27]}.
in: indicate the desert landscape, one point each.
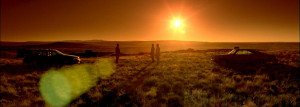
{"type": "Point", "coordinates": [185, 76]}
{"type": "Point", "coordinates": [149, 53]}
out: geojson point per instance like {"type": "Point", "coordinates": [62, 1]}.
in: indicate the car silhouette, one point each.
{"type": "Point", "coordinates": [49, 56]}
{"type": "Point", "coordinates": [244, 56]}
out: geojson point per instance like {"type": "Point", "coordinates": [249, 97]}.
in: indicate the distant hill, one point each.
{"type": "Point", "coordinates": [144, 46]}
{"type": "Point", "coordinates": [4, 44]}
{"type": "Point", "coordinates": [24, 45]}
{"type": "Point", "coordinates": [59, 44]}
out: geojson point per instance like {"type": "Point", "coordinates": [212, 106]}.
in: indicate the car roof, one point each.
{"type": "Point", "coordinates": [250, 50]}
{"type": "Point", "coordinates": [43, 50]}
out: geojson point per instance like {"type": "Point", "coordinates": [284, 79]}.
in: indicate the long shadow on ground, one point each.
{"type": "Point", "coordinates": [112, 98]}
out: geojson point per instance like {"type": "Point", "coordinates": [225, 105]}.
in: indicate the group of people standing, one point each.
{"type": "Point", "coordinates": [154, 54]}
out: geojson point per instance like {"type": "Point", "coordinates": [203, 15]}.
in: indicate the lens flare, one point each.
{"type": "Point", "coordinates": [55, 89]}
{"type": "Point", "coordinates": [59, 87]}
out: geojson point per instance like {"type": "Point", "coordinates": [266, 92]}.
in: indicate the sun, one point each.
{"type": "Point", "coordinates": [177, 24]}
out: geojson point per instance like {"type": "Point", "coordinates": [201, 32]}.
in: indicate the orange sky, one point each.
{"type": "Point", "coordinates": [205, 20]}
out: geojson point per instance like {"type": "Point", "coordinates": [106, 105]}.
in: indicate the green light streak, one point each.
{"type": "Point", "coordinates": [59, 87]}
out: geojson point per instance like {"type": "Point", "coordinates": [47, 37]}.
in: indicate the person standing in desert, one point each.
{"type": "Point", "coordinates": [157, 54]}
{"type": "Point", "coordinates": [152, 52]}
{"type": "Point", "coordinates": [117, 51]}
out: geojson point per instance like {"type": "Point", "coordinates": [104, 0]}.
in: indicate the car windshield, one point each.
{"type": "Point", "coordinates": [36, 53]}
{"type": "Point", "coordinates": [232, 51]}
{"type": "Point", "coordinates": [58, 52]}
{"type": "Point", "coordinates": [52, 53]}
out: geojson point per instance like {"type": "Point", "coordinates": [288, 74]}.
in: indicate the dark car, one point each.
{"type": "Point", "coordinates": [244, 56]}
{"type": "Point", "coordinates": [49, 56]}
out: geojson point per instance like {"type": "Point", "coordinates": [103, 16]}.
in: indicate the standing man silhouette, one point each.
{"type": "Point", "coordinates": [157, 54]}
{"type": "Point", "coordinates": [152, 52]}
{"type": "Point", "coordinates": [117, 50]}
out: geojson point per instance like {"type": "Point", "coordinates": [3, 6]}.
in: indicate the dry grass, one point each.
{"type": "Point", "coordinates": [180, 79]}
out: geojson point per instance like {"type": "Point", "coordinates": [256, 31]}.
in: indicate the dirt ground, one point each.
{"type": "Point", "coordinates": [181, 78]}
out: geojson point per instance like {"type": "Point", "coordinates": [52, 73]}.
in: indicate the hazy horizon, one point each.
{"type": "Point", "coordinates": [90, 40]}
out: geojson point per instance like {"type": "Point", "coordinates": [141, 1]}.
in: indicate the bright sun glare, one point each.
{"type": "Point", "coordinates": [178, 25]}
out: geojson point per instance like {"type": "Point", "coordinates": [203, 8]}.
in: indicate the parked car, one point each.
{"type": "Point", "coordinates": [49, 56]}
{"type": "Point", "coordinates": [244, 56]}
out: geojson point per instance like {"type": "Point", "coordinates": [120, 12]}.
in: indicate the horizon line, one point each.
{"type": "Point", "coordinates": [152, 41]}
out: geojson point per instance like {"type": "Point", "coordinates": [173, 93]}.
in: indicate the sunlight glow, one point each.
{"type": "Point", "coordinates": [178, 25]}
